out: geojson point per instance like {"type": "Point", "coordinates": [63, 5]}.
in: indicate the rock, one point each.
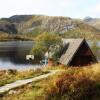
{"type": "Point", "coordinates": [12, 92]}
{"type": "Point", "coordinates": [11, 71]}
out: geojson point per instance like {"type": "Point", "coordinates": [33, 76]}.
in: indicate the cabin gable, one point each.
{"type": "Point", "coordinates": [77, 53]}
{"type": "Point", "coordinates": [83, 56]}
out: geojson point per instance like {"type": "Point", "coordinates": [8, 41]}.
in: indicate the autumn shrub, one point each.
{"type": "Point", "coordinates": [72, 87]}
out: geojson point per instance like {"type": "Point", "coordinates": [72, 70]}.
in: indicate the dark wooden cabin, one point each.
{"type": "Point", "coordinates": [76, 52]}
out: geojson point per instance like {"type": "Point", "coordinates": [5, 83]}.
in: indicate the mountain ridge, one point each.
{"type": "Point", "coordinates": [34, 24]}
{"type": "Point", "coordinates": [95, 22]}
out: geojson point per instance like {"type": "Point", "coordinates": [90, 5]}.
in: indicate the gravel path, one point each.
{"type": "Point", "coordinates": [19, 83]}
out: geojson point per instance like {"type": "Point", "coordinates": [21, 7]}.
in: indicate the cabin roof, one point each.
{"type": "Point", "coordinates": [71, 48]}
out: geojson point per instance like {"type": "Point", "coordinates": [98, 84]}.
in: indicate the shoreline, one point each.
{"type": "Point", "coordinates": [34, 67]}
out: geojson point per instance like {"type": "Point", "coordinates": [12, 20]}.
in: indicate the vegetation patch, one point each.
{"type": "Point", "coordinates": [10, 75]}
{"type": "Point", "coordinates": [79, 83]}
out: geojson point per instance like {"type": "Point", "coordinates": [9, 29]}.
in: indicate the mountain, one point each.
{"type": "Point", "coordinates": [7, 26]}
{"type": "Point", "coordinates": [36, 24]}
{"type": "Point", "coordinates": [31, 23]}
{"type": "Point", "coordinates": [95, 22]}
{"type": "Point", "coordinates": [87, 19]}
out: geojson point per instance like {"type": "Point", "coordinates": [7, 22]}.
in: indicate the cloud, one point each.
{"type": "Point", "coordinates": [94, 11]}
{"type": "Point", "coordinates": [45, 7]}
{"type": "Point", "coordinates": [66, 3]}
{"type": "Point", "coordinates": [70, 8]}
{"type": "Point", "coordinates": [56, 7]}
{"type": "Point", "coordinates": [97, 8]}
{"type": "Point", "coordinates": [51, 7]}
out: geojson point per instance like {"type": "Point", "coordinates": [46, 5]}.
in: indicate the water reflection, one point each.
{"type": "Point", "coordinates": [14, 52]}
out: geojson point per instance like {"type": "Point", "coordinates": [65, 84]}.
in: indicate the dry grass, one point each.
{"type": "Point", "coordinates": [9, 37]}
{"type": "Point", "coordinates": [13, 75]}
{"type": "Point", "coordinates": [79, 83]}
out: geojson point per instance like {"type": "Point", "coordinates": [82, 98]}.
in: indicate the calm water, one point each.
{"type": "Point", "coordinates": [97, 54]}
{"type": "Point", "coordinates": [13, 54]}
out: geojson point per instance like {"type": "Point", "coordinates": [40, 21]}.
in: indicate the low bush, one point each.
{"type": "Point", "coordinates": [72, 87]}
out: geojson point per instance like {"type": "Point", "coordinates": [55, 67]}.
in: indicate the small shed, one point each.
{"type": "Point", "coordinates": [76, 52]}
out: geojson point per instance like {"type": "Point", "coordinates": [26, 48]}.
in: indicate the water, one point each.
{"type": "Point", "coordinates": [13, 54]}
{"type": "Point", "coordinates": [97, 52]}
{"type": "Point", "coordinates": [91, 42]}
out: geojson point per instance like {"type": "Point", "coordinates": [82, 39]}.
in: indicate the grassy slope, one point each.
{"type": "Point", "coordinates": [69, 84]}
{"type": "Point", "coordinates": [13, 75]}
{"type": "Point", "coordinates": [83, 30]}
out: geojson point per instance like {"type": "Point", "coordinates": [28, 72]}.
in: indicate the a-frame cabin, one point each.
{"type": "Point", "coordinates": [76, 52]}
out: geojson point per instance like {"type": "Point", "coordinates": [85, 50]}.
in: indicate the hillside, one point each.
{"type": "Point", "coordinates": [95, 22]}
{"type": "Point", "coordinates": [37, 24]}
{"type": "Point", "coordinates": [8, 27]}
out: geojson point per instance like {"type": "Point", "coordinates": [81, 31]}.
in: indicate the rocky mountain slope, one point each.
{"type": "Point", "coordinates": [6, 26]}
{"type": "Point", "coordinates": [95, 22]}
{"type": "Point", "coordinates": [35, 24]}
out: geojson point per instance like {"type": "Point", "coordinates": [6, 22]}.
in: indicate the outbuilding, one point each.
{"type": "Point", "coordinates": [76, 52]}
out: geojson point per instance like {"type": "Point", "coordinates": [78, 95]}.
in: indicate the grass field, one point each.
{"type": "Point", "coordinates": [10, 76]}
{"type": "Point", "coordinates": [78, 83]}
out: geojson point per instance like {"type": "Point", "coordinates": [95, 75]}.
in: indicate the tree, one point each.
{"type": "Point", "coordinates": [47, 42]}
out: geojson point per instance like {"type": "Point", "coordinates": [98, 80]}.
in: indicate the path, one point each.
{"type": "Point", "coordinates": [19, 83]}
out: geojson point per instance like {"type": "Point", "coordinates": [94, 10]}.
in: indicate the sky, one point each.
{"type": "Point", "coordinates": [67, 8]}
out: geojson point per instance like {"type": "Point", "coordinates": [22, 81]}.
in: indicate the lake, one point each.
{"type": "Point", "coordinates": [97, 53]}
{"type": "Point", "coordinates": [13, 54]}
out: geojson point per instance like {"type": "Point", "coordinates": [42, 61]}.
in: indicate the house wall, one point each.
{"type": "Point", "coordinates": [84, 56]}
